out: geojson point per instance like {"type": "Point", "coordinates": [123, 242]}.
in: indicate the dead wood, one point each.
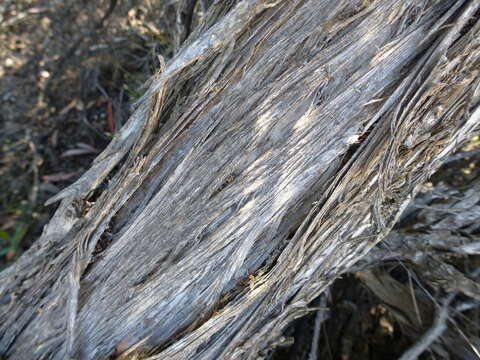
{"type": "Point", "coordinates": [275, 149]}
{"type": "Point", "coordinates": [445, 228]}
{"type": "Point", "coordinates": [431, 251]}
{"type": "Point", "coordinates": [436, 241]}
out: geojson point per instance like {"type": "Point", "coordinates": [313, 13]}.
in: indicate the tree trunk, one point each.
{"type": "Point", "coordinates": [273, 151]}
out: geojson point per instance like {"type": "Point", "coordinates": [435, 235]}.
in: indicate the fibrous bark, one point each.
{"type": "Point", "coordinates": [274, 150]}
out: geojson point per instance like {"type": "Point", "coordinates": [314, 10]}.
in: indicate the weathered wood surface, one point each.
{"type": "Point", "coordinates": [273, 151]}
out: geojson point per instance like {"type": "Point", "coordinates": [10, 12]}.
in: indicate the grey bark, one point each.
{"type": "Point", "coordinates": [273, 151]}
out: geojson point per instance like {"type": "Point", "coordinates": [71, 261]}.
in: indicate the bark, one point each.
{"type": "Point", "coordinates": [275, 149]}
{"type": "Point", "coordinates": [432, 251]}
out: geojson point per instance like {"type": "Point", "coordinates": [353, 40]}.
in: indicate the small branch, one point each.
{"type": "Point", "coordinates": [321, 316]}
{"type": "Point", "coordinates": [437, 329]}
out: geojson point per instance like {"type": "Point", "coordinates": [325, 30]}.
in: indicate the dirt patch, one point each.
{"type": "Point", "coordinates": [69, 71]}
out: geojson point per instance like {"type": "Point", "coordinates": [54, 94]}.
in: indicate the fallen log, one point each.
{"type": "Point", "coordinates": [275, 149]}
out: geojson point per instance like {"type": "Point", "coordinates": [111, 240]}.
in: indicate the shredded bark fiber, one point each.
{"type": "Point", "coordinates": [273, 151]}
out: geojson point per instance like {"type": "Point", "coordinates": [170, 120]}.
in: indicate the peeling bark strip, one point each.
{"type": "Point", "coordinates": [272, 152]}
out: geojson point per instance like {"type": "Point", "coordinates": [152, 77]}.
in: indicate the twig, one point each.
{"type": "Point", "coordinates": [34, 166]}
{"type": "Point", "coordinates": [437, 329]}
{"type": "Point", "coordinates": [322, 315]}
{"type": "Point", "coordinates": [414, 299]}
{"type": "Point", "coordinates": [465, 337]}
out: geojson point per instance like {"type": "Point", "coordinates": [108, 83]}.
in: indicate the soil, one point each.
{"type": "Point", "coordinates": [69, 71]}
